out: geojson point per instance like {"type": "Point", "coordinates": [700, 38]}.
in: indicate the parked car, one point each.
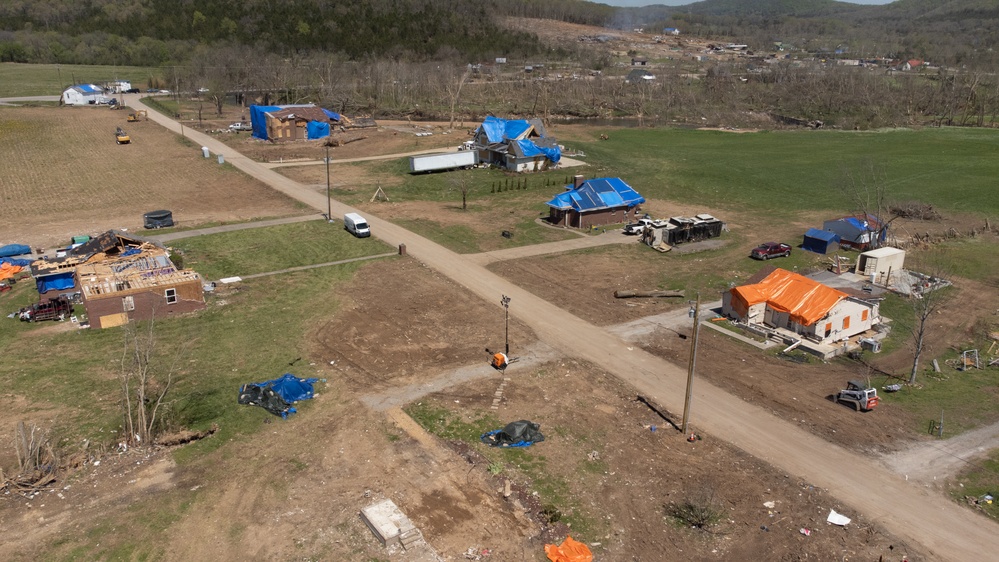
{"type": "Point", "coordinates": [240, 127]}
{"type": "Point", "coordinates": [769, 250]}
{"type": "Point", "coordinates": [132, 91]}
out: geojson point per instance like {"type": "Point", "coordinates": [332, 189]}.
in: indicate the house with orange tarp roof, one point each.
{"type": "Point", "coordinates": [787, 300]}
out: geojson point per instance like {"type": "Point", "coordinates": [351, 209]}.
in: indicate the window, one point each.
{"type": "Point", "coordinates": [128, 303]}
{"type": "Point", "coordinates": [863, 315]}
{"type": "Point", "coordinates": [846, 323]}
{"type": "Point", "coordinates": [171, 296]}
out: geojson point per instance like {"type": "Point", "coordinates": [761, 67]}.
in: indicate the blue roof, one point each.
{"type": "Point", "coordinates": [598, 193]}
{"type": "Point", "coordinates": [822, 235]}
{"type": "Point", "coordinates": [499, 130]}
{"type": "Point", "coordinates": [88, 89]}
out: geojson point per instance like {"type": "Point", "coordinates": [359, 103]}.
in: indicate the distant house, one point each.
{"type": "Point", "coordinates": [119, 86]}
{"type": "Point", "coordinates": [639, 61]}
{"type": "Point", "coordinates": [517, 145]}
{"type": "Point", "coordinates": [282, 123]}
{"type": "Point", "coordinates": [594, 202]}
{"type": "Point", "coordinates": [790, 301]}
{"type": "Point", "coordinates": [858, 232]}
{"type": "Point", "coordinates": [120, 278]}
{"type": "Point", "coordinates": [82, 94]}
{"type": "Point", "coordinates": [820, 241]}
{"type": "Point", "coordinates": [638, 76]}
{"type": "Point", "coordinates": [671, 31]}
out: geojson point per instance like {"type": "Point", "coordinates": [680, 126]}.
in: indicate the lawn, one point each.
{"type": "Point", "coordinates": [979, 480]}
{"type": "Point", "coordinates": [51, 79]}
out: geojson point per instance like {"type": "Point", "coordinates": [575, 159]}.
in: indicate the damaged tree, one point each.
{"type": "Point", "coordinates": [143, 390]}
{"type": "Point", "coordinates": [926, 301]}
{"type": "Point", "coordinates": [869, 193]}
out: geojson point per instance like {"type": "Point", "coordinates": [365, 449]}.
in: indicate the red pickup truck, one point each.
{"type": "Point", "coordinates": [769, 250]}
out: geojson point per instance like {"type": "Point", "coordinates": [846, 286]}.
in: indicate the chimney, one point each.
{"type": "Point", "coordinates": [577, 181]}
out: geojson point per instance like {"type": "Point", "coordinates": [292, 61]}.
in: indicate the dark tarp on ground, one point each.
{"type": "Point", "coordinates": [276, 396]}
{"type": "Point", "coordinates": [521, 433]}
{"type": "Point", "coordinates": [14, 250]}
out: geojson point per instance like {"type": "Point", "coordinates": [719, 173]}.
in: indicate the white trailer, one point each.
{"type": "Point", "coordinates": [443, 161]}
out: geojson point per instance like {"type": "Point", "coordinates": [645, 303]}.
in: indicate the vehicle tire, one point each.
{"type": "Point", "coordinates": [766, 257]}
{"type": "Point", "coordinates": [787, 254]}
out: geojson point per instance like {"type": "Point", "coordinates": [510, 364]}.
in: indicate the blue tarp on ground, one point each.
{"type": "Point", "coordinates": [278, 395]}
{"type": "Point", "coordinates": [317, 130]}
{"type": "Point", "coordinates": [522, 433]}
{"type": "Point", "coordinates": [14, 250]}
{"type": "Point", "coordinates": [55, 282]}
{"type": "Point", "coordinates": [258, 119]}
{"type": "Point", "coordinates": [598, 193]}
{"type": "Point", "coordinates": [15, 261]}
{"type": "Point", "coordinates": [820, 241]}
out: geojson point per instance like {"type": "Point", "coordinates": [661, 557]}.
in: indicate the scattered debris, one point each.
{"type": "Point", "coordinates": [570, 550]}
{"type": "Point", "coordinates": [632, 294]}
{"type": "Point", "coordinates": [837, 519]}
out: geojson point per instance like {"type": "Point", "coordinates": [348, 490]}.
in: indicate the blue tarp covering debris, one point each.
{"type": "Point", "coordinates": [317, 130]}
{"type": "Point", "coordinates": [598, 193]}
{"type": "Point", "coordinates": [521, 433]}
{"type": "Point", "coordinates": [16, 261]}
{"type": "Point", "coordinates": [331, 114]}
{"type": "Point", "coordinates": [55, 282]}
{"type": "Point", "coordinates": [14, 250]}
{"type": "Point", "coordinates": [276, 396]}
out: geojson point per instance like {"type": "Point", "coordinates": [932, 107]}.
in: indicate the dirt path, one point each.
{"type": "Point", "coordinates": [944, 529]}
{"type": "Point", "coordinates": [937, 461]}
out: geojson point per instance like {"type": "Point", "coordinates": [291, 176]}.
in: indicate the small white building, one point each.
{"type": "Point", "coordinates": [882, 265]}
{"type": "Point", "coordinates": [82, 94]}
{"type": "Point", "coordinates": [119, 86]}
{"type": "Point", "coordinates": [801, 305]}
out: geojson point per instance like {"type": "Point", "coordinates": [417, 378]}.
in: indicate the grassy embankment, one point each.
{"type": "Point", "coordinates": [17, 80]}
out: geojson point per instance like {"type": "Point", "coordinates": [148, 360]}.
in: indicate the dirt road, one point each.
{"type": "Point", "coordinates": [944, 529]}
{"type": "Point", "coordinates": [937, 461]}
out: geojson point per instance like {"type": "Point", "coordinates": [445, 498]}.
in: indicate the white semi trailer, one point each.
{"type": "Point", "coordinates": [443, 161]}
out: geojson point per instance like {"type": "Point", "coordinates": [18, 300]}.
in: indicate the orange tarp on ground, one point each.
{"type": "Point", "coordinates": [570, 550]}
{"type": "Point", "coordinates": [7, 270]}
{"type": "Point", "coordinates": [806, 300]}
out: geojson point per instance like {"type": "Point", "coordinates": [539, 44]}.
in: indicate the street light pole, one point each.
{"type": "Point", "coordinates": [329, 202]}
{"type": "Point", "coordinates": [696, 314]}
{"type": "Point", "coordinates": [505, 301]}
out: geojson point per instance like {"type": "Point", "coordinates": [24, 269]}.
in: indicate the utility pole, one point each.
{"type": "Point", "coordinates": [695, 313]}
{"type": "Point", "coordinates": [505, 301]}
{"type": "Point", "coordinates": [329, 201]}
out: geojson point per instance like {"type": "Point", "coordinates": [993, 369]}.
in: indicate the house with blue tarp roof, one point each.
{"type": "Point", "coordinates": [859, 232]}
{"type": "Point", "coordinates": [82, 94]}
{"type": "Point", "coordinates": [594, 202]}
{"type": "Point", "coordinates": [518, 145]}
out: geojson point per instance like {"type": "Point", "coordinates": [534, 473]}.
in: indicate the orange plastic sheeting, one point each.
{"type": "Point", "coordinates": [7, 270]}
{"type": "Point", "coordinates": [807, 301]}
{"type": "Point", "coordinates": [570, 550]}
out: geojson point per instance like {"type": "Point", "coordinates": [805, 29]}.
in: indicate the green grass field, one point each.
{"type": "Point", "coordinates": [51, 79]}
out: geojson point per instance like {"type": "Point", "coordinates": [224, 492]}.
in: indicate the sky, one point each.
{"type": "Point", "coordinates": [633, 3]}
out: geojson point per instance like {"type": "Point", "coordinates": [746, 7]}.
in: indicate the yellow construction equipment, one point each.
{"type": "Point", "coordinates": [134, 117]}
{"type": "Point", "coordinates": [121, 137]}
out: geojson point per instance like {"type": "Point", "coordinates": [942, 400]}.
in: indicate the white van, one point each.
{"type": "Point", "coordinates": [356, 225]}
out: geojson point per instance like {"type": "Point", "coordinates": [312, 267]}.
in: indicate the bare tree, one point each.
{"type": "Point", "coordinates": [143, 389]}
{"type": "Point", "coordinates": [453, 88]}
{"type": "Point", "coordinates": [867, 186]}
{"type": "Point", "coordinates": [926, 300]}
{"type": "Point", "coordinates": [461, 181]}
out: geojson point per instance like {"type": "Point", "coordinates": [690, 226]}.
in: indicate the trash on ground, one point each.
{"type": "Point", "coordinates": [837, 519]}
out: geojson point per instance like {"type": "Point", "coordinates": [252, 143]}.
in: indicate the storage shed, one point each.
{"type": "Point", "coordinates": [882, 265]}
{"type": "Point", "coordinates": [594, 202]}
{"type": "Point", "coordinates": [82, 94]}
{"type": "Point", "coordinates": [820, 241]}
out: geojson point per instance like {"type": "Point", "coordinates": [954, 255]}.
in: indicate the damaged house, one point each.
{"type": "Point", "coordinates": [282, 123]}
{"type": "Point", "coordinates": [793, 302]}
{"type": "Point", "coordinates": [858, 232]}
{"type": "Point", "coordinates": [516, 145]}
{"type": "Point", "coordinates": [119, 278]}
